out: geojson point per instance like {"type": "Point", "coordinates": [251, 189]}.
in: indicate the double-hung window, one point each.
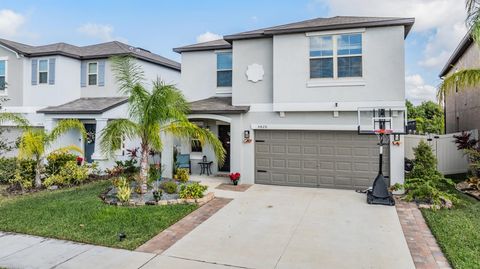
{"type": "Point", "coordinates": [3, 75]}
{"type": "Point", "coordinates": [224, 69]}
{"type": "Point", "coordinates": [92, 73]}
{"type": "Point", "coordinates": [336, 56]}
{"type": "Point", "coordinates": [43, 71]}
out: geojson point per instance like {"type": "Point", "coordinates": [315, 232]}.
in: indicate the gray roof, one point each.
{"type": "Point", "coordinates": [457, 54]}
{"type": "Point", "coordinates": [217, 105]}
{"type": "Point", "coordinates": [90, 105]}
{"type": "Point", "coordinates": [210, 45]}
{"type": "Point", "coordinates": [102, 50]}
{"type": "Point", "coordinates": [317, 24]}
{"type": "Point", "coordinates": [322, 24]}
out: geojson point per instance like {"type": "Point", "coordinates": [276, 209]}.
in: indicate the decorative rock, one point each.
{"type": "Point", "coordinates": [172, 202]}
{"type": "Point", "coordinates": [190, 201]}
{"type": "Point", "coordinates": [180, 201]}
{"type": "Point", "coordinates": [53, 187]}
{"type": "Point", "coordinates": [210, 196]}
{"type": "Point", "coordinates": [162, 202]}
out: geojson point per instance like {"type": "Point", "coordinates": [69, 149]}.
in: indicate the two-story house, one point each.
{"type": "Point", "coordinates": [462, 106]}
{"type": "Point", "coordinates": [286, 100]}
{"type": "Point", "coordinates": [59, 81]}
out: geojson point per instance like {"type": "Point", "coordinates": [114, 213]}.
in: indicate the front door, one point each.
{"type": "Point", "coordinates": [224, 136]}
{"type": "Point", "coordinates": [89, 144]}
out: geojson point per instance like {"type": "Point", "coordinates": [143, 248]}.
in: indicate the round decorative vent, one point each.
{"type": "Point", "coordinates": [255, 72]}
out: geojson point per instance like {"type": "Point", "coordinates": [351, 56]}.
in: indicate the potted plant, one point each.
{"type": "Point", "coordinates": [79, 160]}
{"type": "Point", "coordinates": [235, 177]}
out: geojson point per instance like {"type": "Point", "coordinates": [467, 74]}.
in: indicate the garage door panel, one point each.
{"type": "Point", "coordinates": [317, 158]}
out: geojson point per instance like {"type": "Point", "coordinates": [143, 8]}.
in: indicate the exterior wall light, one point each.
{"type": "Point", "coordinates": [246, 136]}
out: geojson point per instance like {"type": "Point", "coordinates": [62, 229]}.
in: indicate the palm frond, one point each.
{"type": "Point", "coordinates": [63, 126]}
{"type": "Point", "coordinates": [167, 103]}
{"type": "Point", "coordinates": [127, 73]}
{"type": "Point", "coordinates": [473, 18]}
{"type": "Point", "coordinates": [69, 148]}
{"type": "Point", "coordinates": [460, 80]}
{"type": "Point", "coordinates": [32, 144]}
{"type": "Point", "coordinates": [17, 119]}
{"type": "Point", "coordinates": [186, 129]}
{"type": "Point", "coordinates": [111, 137]}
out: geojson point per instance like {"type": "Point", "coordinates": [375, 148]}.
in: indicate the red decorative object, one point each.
{"type": "Point", "coordinates": [234, 177]}
{"type": "Point", "coordinates": [79, 160]}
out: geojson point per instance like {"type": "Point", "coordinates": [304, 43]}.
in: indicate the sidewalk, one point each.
{"type": "Point", "coordinates": [25, 251]}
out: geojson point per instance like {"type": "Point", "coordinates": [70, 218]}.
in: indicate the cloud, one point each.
{"type": "Point", "coordinates": [208, 36]}
{"type": "Point", "coordinates": [440, 20]}
{"type": "Point", "coordinates": [417, 90]}
{"type": "Point", "coordinates": [102, 32]}
{"type": "Point", "coordinates": [11, 23]}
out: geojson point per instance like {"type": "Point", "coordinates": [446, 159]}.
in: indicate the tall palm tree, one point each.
{"type": "Point", "coordinates": [34, 144]}
{"type": "Point", "coordinates": [151, 113]}
{"type": "Point", "coordinates": [464, 78]}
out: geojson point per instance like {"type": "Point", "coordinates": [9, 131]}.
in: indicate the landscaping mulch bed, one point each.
{"type": "Point", "coordinates": [465, 188]}
{"type": "Point", "coordinates": [422, 244]}
{"type": "Point", "coordinates": [231, 187]}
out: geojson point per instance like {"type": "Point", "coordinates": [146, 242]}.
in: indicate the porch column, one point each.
{"type": "Point", "coordinates": [167, 155]}
{"type": "Point", "coordinates": [397, 162]}
{"type": "Point", "coordinates": [100, 125]}
{"type": "Point", "coordinates": [48, 125]}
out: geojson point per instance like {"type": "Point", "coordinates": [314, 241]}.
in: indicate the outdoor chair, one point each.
{"type": "Point", "coordinates": [183, 161]}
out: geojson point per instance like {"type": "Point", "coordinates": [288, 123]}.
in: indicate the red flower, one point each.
{"type": "Point", "coordinates": [79, 159]}
{"type": "Point", "coordinates": [234, 176]}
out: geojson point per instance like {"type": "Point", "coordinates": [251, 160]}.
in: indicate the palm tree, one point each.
{"type": "Point", "coordinates": [464, 78]}
{"type": "Point", "coordinates": [34, 144]}
{"type": "Point", "coordinates": [163, 110]}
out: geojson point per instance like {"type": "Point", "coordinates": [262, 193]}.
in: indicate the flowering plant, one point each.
{"type": "Point", "coordinates": [79, 160]}
{"type": "Point", "coordinates": [234, 177]}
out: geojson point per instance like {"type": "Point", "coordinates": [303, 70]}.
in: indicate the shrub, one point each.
{"type": "Point", "coordinates": [7, 169]}
{"type": "Point", "coordinates": [192, 191]}
{"type": "Point", "coordinates": [123, 190]}
{"type": "Point", "coordinates": [57, 160]}
{"type": "Point", "coordinates": [24, 173]}
{"type": "Point", "coordinates": [425, 183]}
{"type": "Point", "coordinates": [154, 173]}
{"type": "Point", "coordinates": [70, 174]}
{"type": "Point", "coordinates": [121, 168]}
{"type": "Point", "coordinates": [169, 187]}
{"type": "Point", "coordinates": [183, 174]}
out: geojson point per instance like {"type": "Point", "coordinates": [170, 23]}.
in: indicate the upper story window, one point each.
{"type": "Point", "coordinates": [224, 69]}
{"type": "Point", "coordinates": [3, 74]}
{"type": "Point", "coordinates": [336, 56]}
{"type": "Point", "coordinates": [92, 73]}
{"type": "Point", "coordinates": [43, 71]}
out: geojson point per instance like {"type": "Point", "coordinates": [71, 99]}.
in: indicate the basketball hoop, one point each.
{"type": "Point", "coordinates": [383, 131]}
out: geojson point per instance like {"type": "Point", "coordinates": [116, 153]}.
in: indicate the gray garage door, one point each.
{"type": "Point", "coordinates": [326, 159]}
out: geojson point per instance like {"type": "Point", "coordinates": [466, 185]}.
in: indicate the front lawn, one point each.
{"type": "Point", "coordinates": [458, 232]}
{"type": "Point", "coordinates": [78, 214]}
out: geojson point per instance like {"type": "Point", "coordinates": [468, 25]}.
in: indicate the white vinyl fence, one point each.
{"type": "Point", "coordinates": [450, 159]}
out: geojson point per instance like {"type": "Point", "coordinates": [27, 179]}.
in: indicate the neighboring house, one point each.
{"type": "Point", "coordinates": [462, 108]}
{"type": "Point", "coordinates": [285, 100]}
{"type": "Point", "coordinates": [59, 81]}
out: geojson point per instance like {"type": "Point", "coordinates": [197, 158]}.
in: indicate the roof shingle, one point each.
{"type": "Point", "coordinates": [86, 105]}
{"type": "Point", "coordinates": [217, 105]}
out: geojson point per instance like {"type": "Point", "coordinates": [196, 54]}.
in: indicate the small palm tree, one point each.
{"type": "Point", "coordinates": [34, 144]}
{"type": "Point", "coordinates": [464, 78]}
{"type": "Point", "coordinates": [163, 110]}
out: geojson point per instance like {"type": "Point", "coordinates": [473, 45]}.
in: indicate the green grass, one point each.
{"type": "Point", "coordinates": [458, 232]}
{"type": "Point", "coordinates": [78, 214]}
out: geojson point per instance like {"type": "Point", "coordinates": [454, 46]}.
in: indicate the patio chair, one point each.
{"type": "Point", "coordinates": [183, 161]}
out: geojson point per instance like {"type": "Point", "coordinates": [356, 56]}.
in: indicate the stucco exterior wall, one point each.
{"type": "Point", "coordinates": [14, 71]}
{"type": "Point", "coordinates": [383, 72]}
{"type": "Point", "coordinates": [245, 53]}
{"type": "Point", "coordinates": [464, 104]}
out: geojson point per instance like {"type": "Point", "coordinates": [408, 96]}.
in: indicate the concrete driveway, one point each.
{"type": "Point", "coordinates": [286, 227]}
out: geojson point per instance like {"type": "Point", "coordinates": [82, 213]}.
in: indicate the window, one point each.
{"type": "Point", "coordinates": [92, 73]}
{"type": "Point", "coordinates": [321, 57]}
{"type": "Point", "coordinates": [224, 69]}
{"type": "Point", "coordinates": [43, 71]}
{"type": "Point", "coordinates": [336, 56]}
{"type": "Point", "coordinates": [3, 75]}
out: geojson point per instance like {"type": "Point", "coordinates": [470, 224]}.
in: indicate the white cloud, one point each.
{"type": "Point", "coordinates": [208, 36]}
{"type": "Point", "coordinates": [102, 32]}
{"type": "Point", "coordinates": [442, 20]}
{"type": "Point", "coordinates": [11, 23]}
{"type": "Point", "coordinates": [417, 90]}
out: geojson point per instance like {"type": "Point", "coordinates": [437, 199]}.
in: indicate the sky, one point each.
{"type": "Point", "coordinates": [162, 25]}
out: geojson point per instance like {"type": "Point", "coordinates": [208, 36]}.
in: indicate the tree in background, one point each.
{"type": "Point", "coordinates": [428, 116]}
{"type": "Point", "coordinates": [163, 109]}
{"type": "Point", "coordinates": [464, 79]}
